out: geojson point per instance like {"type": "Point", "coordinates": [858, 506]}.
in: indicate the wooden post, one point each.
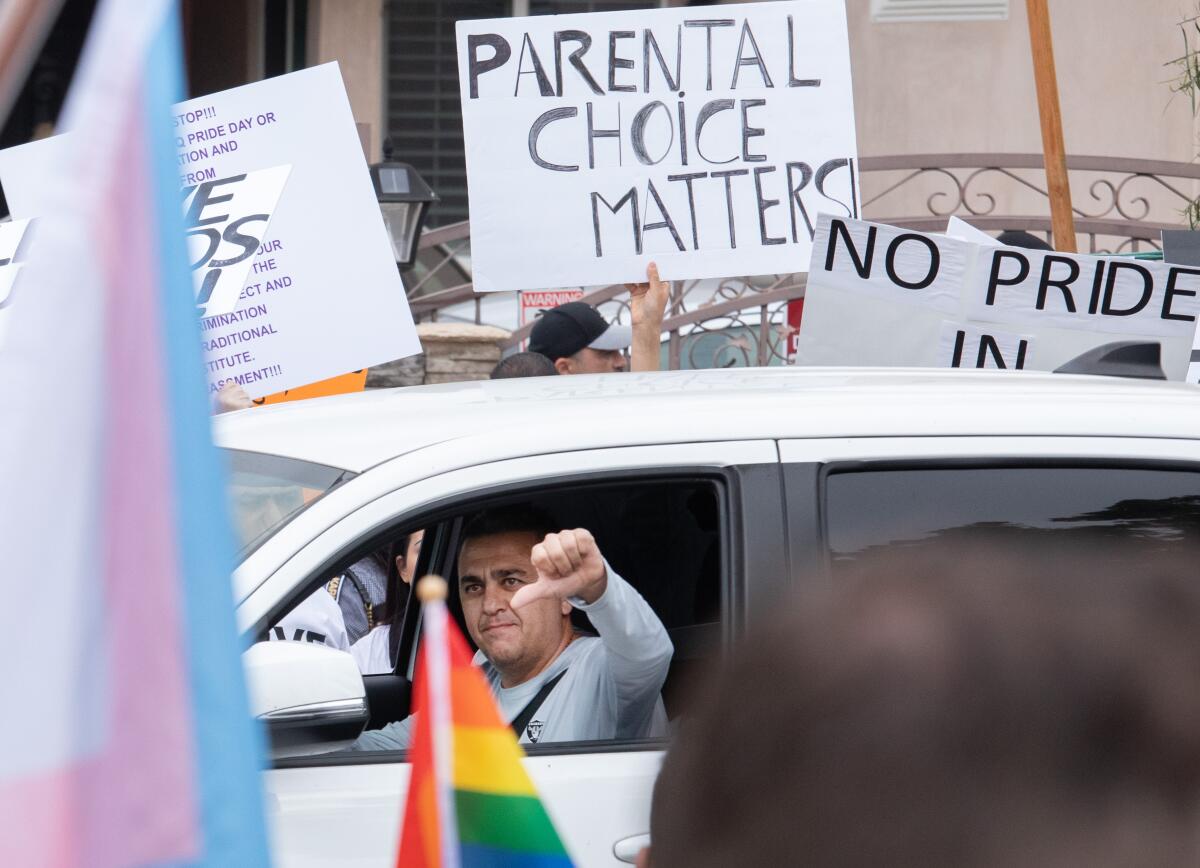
{"type": "Point", "coordinates": [24, 25]}
{"type": "Point", "coordinates": [1061, 216]}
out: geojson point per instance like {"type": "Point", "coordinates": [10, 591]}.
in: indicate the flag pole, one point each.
{"type": "Point", "coordinates": [1061, 216]}
{"type": "Point", "coordinates": [24, 26]}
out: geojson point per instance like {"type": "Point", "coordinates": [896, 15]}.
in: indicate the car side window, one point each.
{"type": "Point", "coordinates": [354, 607]}
{"type": "Point", "coordinates": [870, 510]}
{"type": "Point", "coordinates": [664, 542]}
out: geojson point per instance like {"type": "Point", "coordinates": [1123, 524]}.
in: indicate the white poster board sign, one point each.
{"type": "Point", "coordinates": [12, 237]}
{"type": "Point", "coordinates": [704, 139]}
{"type": "Point", "coordinates": [308, 287]}
{"type": "Point", "coordinates": [1182, 247]}
{"type": "Point", "coordinates": [964, 231]}
{"type": "Point", "coordinates": [226, 222]}
{"type": "Point", "coordinates": [879, 295]}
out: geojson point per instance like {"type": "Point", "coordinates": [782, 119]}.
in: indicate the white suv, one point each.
{"type": "Point", "coordinates": [711, 492]}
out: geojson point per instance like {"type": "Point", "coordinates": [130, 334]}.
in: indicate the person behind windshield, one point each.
{"type": "Point", "coordinates": [518, 582]}
{"type": "Point", "coordinates": [353, 610]}
{"type": "Point", "coordinates": [361, 593]}
{"type": "Point", "coordinates": [373, 652]}
{"type": "Point", "coordinates": [316, 619]}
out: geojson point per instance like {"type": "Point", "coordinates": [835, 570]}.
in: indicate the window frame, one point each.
{"type": "Point", "coordinates": [231, 456]}
{"type": "Point", "coordinates": [940, 11]}
{"type": "Point", "coordinates": [443, 509]}
{"type": "Point", "coordinates": [824, 470]}
{"type": "Point", "coordinates": [741, 556]}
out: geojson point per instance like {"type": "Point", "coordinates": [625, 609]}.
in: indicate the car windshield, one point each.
{"type": "Point", "coordinates": [268, 491]}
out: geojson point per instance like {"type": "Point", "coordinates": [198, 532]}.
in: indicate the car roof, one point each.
{"type": "Point", "coordinates": [355, 432]}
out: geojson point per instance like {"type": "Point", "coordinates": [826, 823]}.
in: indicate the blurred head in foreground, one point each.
{"type": "Point", "coordinates": [955, 707]}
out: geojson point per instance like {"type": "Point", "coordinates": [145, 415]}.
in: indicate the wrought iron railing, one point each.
{"type": "Point", "coordinates": [1121, 206]}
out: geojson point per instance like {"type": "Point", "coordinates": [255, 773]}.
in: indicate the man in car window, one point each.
{"type": "Point", "coordinates": [518, 583]}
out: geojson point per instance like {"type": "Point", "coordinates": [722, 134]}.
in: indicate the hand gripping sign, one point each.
{"type": "Point", "coordinates": [880, 295]}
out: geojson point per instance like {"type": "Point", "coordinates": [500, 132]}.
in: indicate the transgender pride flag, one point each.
{"type": "Point", "coordinates": [125, 737]}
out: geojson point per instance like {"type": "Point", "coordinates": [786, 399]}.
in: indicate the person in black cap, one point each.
{"type": "Point", "coordinates": [580, 341]}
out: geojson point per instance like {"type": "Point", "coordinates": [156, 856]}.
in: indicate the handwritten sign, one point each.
{"type": "Point", "coordinates": [879, 295]}
{"type": "Point", "coordinates": [704, 139]}
{"type": "Point", "coordinates": [295, 277]}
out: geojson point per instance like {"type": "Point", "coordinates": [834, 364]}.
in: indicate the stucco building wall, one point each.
{"type": "Point", "coordinates": [938, 88]}
{"type": "Point", "coordinates": [352, 33]}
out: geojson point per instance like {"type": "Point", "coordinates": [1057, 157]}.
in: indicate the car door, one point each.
{"type": "Point", "coordinates": [345, 809]}
{"type": "Point", "coordinates": [846, 496]}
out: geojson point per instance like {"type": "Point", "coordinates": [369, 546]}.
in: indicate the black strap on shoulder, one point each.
{"type": "Point", "coordinates": [522, 720]}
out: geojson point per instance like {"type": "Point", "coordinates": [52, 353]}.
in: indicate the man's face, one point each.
{"type": "Point", "coordinates": [517, 642]}
{"type": "Point", "coordinates": [589, 361]}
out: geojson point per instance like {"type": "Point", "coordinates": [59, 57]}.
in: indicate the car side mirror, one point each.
{"type": "Point", "coordinates": [310, 697]}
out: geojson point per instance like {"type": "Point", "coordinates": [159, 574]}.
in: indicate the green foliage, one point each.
{"type": "Point", "coordinates": [1192, 213]}
{"type": "Point", "coordinates": [1187, 81]}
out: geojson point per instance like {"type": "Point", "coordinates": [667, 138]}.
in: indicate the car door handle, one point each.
{"type": "Point", "coordinates": [627, 849]}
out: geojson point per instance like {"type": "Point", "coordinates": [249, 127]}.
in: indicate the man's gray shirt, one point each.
{"type": "Point", "coordinates": [610, 690]}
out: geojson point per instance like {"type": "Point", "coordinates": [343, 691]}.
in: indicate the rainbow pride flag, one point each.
{"type": "Point", "coordinates": [470, 803]}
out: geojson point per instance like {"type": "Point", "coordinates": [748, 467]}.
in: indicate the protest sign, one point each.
{"type": "Point", "coordinates": [964, 231]}
{"type": "Point", "coordinates": [227, 220]}
{"type": "Point", "coordinates": [703, 139]}
{"type": "Point", "coordinates": [294, 271]}
{"type": "Point", "coordinates": [878, 295]}
{"type": "Point", "coordinates": [12, 237]}
{"type": "Point", "coordinates": [12, 234]}
{"type": "Point", "coordinates": [1182, 247]}
{"type": "Point", "coordinates": [795, 315]}
{"type": "Point", "coordinates": [355, 381]}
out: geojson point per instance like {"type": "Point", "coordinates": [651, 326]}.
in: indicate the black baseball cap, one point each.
{"type": "Point", "coordinates": [565, 330]}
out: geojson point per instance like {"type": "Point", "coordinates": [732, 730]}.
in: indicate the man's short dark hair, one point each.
{"type": "Point", "coordinates": [974, 708]}
{"type": "Point", "coordinates": [523, 365]}
{"type": "Point", "coordinates": [523, 518]}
